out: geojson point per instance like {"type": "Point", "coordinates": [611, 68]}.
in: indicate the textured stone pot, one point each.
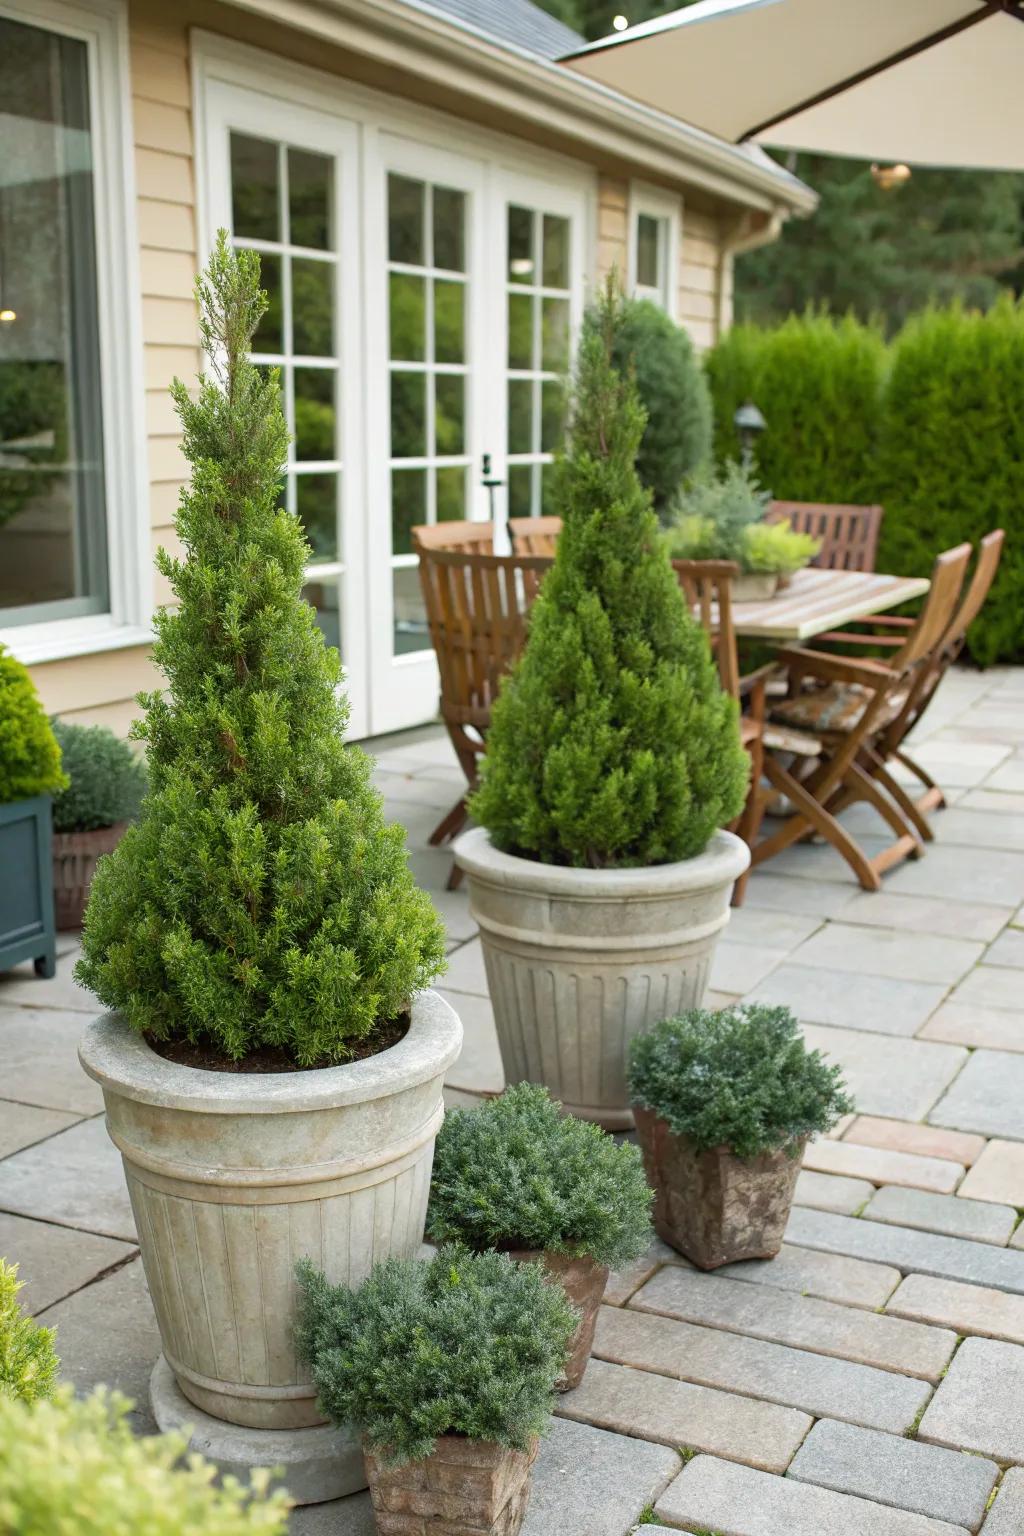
{"type": "Point", "coordinates": [235, 1176]}
{"type": "Point", "coordinates": [463, 1488]}
{"type": "Point", "coordinates": [714, 1207]}
{"type": "Point", "coordinates": [581, 960]}
{"type": "Point", "coordinates": [583, 1282]}
{"type": "Point", "coordinates": [755, 586]}
{"type": "Point", "coordinates": [75, 856]}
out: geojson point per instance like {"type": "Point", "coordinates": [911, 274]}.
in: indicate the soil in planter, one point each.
{"type": "Point", "coordinates": [274, 1058]}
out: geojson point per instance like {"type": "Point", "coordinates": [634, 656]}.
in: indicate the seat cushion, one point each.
{"type": "Point", "coordinates": [835, 707]}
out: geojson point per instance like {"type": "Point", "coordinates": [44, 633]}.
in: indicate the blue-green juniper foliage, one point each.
{"type": "Point", "coordinates": [517, 1173]}
{"type": "Point", "coordinates": [465, 1344]}
{"type": "Point", "coordinates": [611, 742]}
{"type": "Point", "coordinates": [261, 900]}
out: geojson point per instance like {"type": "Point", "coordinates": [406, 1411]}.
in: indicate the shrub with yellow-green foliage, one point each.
{"type": "Point", "coordinates": [29, 754]}
{"type": "Point", "coordinates": [778, 547]}
{"type": "Point", "coordinates": [74, 1466]}
{"type": "Point", "coordinates": [28, 1362]}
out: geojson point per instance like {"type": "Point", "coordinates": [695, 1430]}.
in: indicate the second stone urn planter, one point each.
{"type": "Point", "coordinates": [583, 1282]}
{"type": "Point", "coordinates": [579, 961]}
{"type": "Point", "coordinates": [463, 1488]}
{"type": "Point", "coordinates": [714, 1207]}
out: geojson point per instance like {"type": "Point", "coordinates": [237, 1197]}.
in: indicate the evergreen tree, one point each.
{"type": "Point", "coordinates": [260, 900]}
{"type": "Point", "coordinates": [611, 742]}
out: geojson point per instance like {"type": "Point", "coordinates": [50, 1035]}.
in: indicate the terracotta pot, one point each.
{"type": "Point", "coordinates": [464, 1488]}
{"type": "Point", "coordinates": [583, 1281]}
{"type": "Point", "coordinates": [714, 1207]}
{"type": "Point", "coordinates": [75, 856]}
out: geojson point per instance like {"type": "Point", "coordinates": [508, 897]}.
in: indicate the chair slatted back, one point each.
{"type": "Point", "coordinates": [707, 587]}
{"type": "Point", "coordinates": [848, 534]}
{"type": "Point", "coordinates": [936, 616]}
{"type": "Point", "coordinates": [534, 535]}
{"type": "Point", "coordinates": [990, 552]}
{"type": "Point", "coordinates": [472, 538]}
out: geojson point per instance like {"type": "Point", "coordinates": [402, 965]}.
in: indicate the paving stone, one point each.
{"type": "Point", "coordinates": [977, 1220]}
{"type": "Point", "coordinates": [992, 986]}
{"type": "Point", "coordinates": [1008, 949]}
{"type": "Point", "coordinates": [730, 1500]}
{"type": "Point", "coordinates": [904, 1473]}
{"type": "Point", "coordinates": [54, 1261]}
{"type": "Point", "coordinates": [897, 1078]}
{"type": "Point", "coordinates": [816, 1384]}
{"type": "Point", "coordinates": [980, 829]}
{"type": "Point", "coordinates": [948, 1258]}
{"type": "Point", "coordinates": [588, 1482]}
{"type": "Point", "coordinates": [826, 1192]}
{"type": "Point", "coordinates": [1017, 920]}
{"type": "Point", "coordinates": [39, 1053]}
{"type": "Point", "coordinates": [1008, 776]}
{"type": "Point", "coordinates": [479, 1068]}
{"type": "Point", "coordinates": [820, 861]}
{"type": "Point", "coordinates": [739, 967]}
{"type": "Point", "coordinates": [75, 1179]}
{"type": "Point", "coordinates": [883, 1167]}
{"type": "Point", "coordinates": [341, 1517]}
{"type": "Point", "coordinates": [967, 874]}
{"type": "Point", "coordinates": [841, 1127]}
{"type": "Point", "coordinates": [998, 1174]}
{"type": "Point", "coordinates": [1006, 1516]}
{"type": "Point", "coordinates": [830, 1276]}
{"type": "Point", "coordinates": [992, 800]}
{"type": "Point", "coordinates": [801, 1322]}
{"type": "Point", "coordinates": [810, 898]}
{"type": "Point", "coordinates": [775, 928]}
{"type": "Point", "coordinates": [23, 986]}
{"type": "Point", "coordinates": [23, 1124]}
{"type": "Point", "coordinates": [850, 999]}
{"type": "Point", "coordinates": [895, 953]}
{"type": "Point", "coordinates": [453, 908]}
{"type": "Point", "coordinates": [107, 1334]}
{"type": "Point", "coordinates": [998, 1029]}
{"type": "Point", "coordinates": [623, 1282]}
{"type": "Point", "coordinates": [987, 1097]}
{"type": "Point", "coordinates": [921, 1140]}
{"type": "Point", "coordinates": [926, 914]}
{"type": "Point", "coordinates": [977, 1405]}
{"type": "Point", "coordinates": [678, 1413]}
{"type": "Point", "coordinates": [466, 971]}
{"type": "Point", "coordinates": [967, 1308]}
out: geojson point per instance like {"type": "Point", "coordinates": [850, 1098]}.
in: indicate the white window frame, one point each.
{"type": "Point", "coordinates": [102, 26]}
{"type": "Point", "coordinates": [656, 203]}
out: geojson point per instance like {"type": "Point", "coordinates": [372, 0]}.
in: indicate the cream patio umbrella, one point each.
{"type": "Point", "coordinates": [930, 82]}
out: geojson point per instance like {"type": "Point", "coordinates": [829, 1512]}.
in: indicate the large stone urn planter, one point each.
{"type": "Point", "coordinates": [583, 1280]}
{"type": "Point", "coordinates": [463, 1488]}
{"type": "Point", "coordinates": [714, 1207]}
{"type": "Point", "coordinates": [579, 961]}
{"type": "Point", "coordinates": [235, 1176]}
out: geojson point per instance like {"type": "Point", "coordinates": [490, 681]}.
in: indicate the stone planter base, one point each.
{"type": "Point", "coordinates": [465, 1488]}
{"type": "Point", "coordinates": [713, 1207]}
{"type": "Point", "coordinates": [583, 1282]}
{"type": "Point", "coordinates": [316, 1464]}
{"type": "Point", "coordinates": [75, 856]}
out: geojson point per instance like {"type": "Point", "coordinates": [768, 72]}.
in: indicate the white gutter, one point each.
{"type": "Point", "coordinates": [399, 34]}
{"type": "Point", "coordinates": [745, 235]}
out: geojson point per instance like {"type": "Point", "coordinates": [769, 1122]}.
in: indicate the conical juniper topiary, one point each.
{"type": "Point", "coordinates": [260, 900]}
{"type": "Point", "coordinates": [611, 742]}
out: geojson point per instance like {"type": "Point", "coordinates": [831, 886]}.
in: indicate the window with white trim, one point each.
{"type": "Point", "coordinates": [654, 248]}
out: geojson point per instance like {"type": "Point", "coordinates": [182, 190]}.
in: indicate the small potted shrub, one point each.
{"type": "Point", "coordinates": [519, 1176]}
{"type": "Point", "coordinates": [447, 1367]}
{"type": "Point", "coordinates": [720, 516]}
{"type": "Point", "coordinates": [107, 785]}
{"type": "Point", "coordinates": [30, 773]}
{"type": "Point", "coordinates": [28, 1363]}
{"type": "Point", "coordinates": [778, 547]}
{"type": "Point", "coordinates": [273, 1064]}
{"type": "Point", "coordinates": [599, 875]}
{"type": "Point", "coordinates": [724, 1104]}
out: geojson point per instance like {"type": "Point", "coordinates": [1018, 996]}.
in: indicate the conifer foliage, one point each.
{"type": "Point", "coordinates": [611, 742]}
{"type": "Point", "coordinates": [260, 900]}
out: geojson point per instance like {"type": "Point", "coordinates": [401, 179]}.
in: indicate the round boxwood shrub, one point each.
{"type": "Point", "coordinates": [260, 901]}
{"type": "Point", "coordinates": [516, 1173]}
{"type": "Point", "coordinates": [108, 781]}
{"type": "Point", "coordinates": [28, 1362]}
{"type": "Point", "coordinates": [75, 1465]}
{"type": "Point", "coordinates": [464, 1344]}
{"type": "Point", "coordinates": [676, 440]}
{"type": "Point", "coordinates": [29, 754]}
{"type": "Point", "coordinates": [741, 1078]}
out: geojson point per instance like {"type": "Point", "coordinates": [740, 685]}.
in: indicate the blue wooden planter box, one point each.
{"type": "Point", "coordinates": [27, 930]}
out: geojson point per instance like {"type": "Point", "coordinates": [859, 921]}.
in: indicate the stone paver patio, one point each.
{"type": "Point", "coordinates": [833, 1390]}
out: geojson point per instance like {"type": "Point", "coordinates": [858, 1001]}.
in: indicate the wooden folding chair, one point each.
{"type": "Point", "coordinates": [477, 605]}
{"type": "Point", "coordinates": [534, 535]}
{"type": "Point", "coordinates": [848, 534]}
{"type": "Point", "coordinates": [848, 704]}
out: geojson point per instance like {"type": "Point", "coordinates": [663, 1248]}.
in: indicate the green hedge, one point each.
{"type": "Point", "coordinates": [932, 426]}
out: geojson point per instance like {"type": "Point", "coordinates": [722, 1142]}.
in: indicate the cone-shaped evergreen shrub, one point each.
{"type": "Point", "coordinates": [260, 900]}
{"type": "Point", "coordinates": [611, 742]}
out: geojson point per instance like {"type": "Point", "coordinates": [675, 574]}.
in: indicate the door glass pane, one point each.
{"type": "Point", "coordinates": [315, 415]}
{"type": "Point", "coordinates": [325, 597]}
{"type": "Point", "coordinates": [556, 252]}
{"type": "Point", "coordinates": [647, 243]}
{"type": "Point", "coordinates": [309, 199]}
{"type": "Point", "coordinates": [451, 494]}
{"type": "Point", "coordinates": [255, 188]}
{"type": "Point", "coordinates": [520, 330]}
{"type": "Point", "coordinates": [449, 233]}
{"type": "Point", "coordinates": [312, 307]}
{"type": "Point", "coordinates": [406, 203]}
{"type": "Point", "coordinates": [552, 415]}
{"type": "Point", "coordinates": [520, 415]}
{"type": "Point", "coordinates": [520, 495]}
{"type": "Point", "coordinates": [555, 334]}
{"type": "Point", "coordinates": [269, 335]}
{"type": "Point", "coordinates": [316, 505]}
{"type": "Point", "coordinates": [408, 316]}
{"type": "Point", "coordinates": [53, 541]}
{"type": "Point", "coordinates": [408, 415]}
{"type": "Point", "coordinates": [520, 245]}
{"type": "Point", "coordinates": [449, 413]}
{"type": "Point", "coordinates": [408, 506]}
{"type": "Point", "coordinates": [449, 331]}
{"type": "Point", "coordinates": [410, 616]}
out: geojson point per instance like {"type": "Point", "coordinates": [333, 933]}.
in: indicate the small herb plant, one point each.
{"type": "Point", "coordinates": [516, 1173]}
{"type": "Point", "coordinates": [463, 1344]}
{"type": "Point", "coordinates": [777, 547]}
{"type": "Point", "coordinates": [741, 1078]}
{"type": "Point", "coordinates": [29, 755]}
{"type": "Point", "coordinates": [77, 1465]}
{"type": "Point", "coordinates": [108, 781]}
{"type": "Point", "coordinates": [28, 1362]}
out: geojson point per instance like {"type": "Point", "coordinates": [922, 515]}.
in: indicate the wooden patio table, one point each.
{"type": "Point", "coordinates": [816, 601]}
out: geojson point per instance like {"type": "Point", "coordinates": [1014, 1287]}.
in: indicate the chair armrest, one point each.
{"type": "Point", "coordinates": [760, 676]}
{"type": "Point", "coordinates": [836, 669]}
{"type": "Point", "coordinates": [854, 637]}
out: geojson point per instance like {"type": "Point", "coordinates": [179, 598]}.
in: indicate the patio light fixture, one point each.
{"type": "Point", "coordinates": [620, 23]}
{"type": "Point", "coordinates": [749, 424]}
{"type": "Point", "coordinates": [889, 176]}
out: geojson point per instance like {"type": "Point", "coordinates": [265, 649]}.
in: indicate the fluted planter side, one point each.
{"type": "Point", "coordinates": [233, 1177]}
{"type": "Point", "coordinates": [579, 961]}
